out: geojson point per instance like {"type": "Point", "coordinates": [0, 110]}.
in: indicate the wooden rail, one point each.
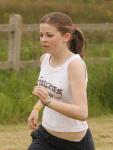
{"type": "Point", "coordinates": [15, 30]}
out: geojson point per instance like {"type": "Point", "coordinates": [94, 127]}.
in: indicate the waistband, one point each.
{"type": "Point", "coordinates": [42, 133]}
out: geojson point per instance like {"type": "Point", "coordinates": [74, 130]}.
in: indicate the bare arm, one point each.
{"type": "Point", "coordinates": [33, 117]}
{"type": "Point", "coordinates": [77, 110]}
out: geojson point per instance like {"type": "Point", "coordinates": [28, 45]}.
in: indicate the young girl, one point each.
{"type": "Point", "coordinates": [61, 88]}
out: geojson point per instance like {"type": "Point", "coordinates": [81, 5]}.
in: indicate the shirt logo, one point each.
{"type": "Point", "coordinates": [53, 90]}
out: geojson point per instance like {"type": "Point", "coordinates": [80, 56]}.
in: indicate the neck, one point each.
{"type": "Point", "coordinates": [60, 57]}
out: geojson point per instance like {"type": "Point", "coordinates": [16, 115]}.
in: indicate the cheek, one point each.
{"type": "Point", "coordinates": [56, 40]}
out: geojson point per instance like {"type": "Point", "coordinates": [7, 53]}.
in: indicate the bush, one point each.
{"type": "Point", "coordinates": [16, 100]}
{"type": "Point", "coordinates": [106, 91]}
{"type": "Point", "coordinates": [100, 88]}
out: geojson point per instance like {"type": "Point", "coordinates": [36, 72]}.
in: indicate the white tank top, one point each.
{"type": "Point", "coordinates": [57, 82]}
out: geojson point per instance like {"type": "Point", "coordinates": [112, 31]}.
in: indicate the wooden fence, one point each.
{"type": "Point", "coordinates": [15, 30]}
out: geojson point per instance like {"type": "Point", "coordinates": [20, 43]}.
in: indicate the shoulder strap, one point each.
{"type": "Point", "coordinates": [45, 59]}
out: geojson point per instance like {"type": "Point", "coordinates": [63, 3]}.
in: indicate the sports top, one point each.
{"type": "Point", "coordinates": [55, 79]}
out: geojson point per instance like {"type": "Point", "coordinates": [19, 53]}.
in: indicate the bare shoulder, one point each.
{"type": "Point", "coordinates": [76, 64]}
{"type": "Point", "coordinates": [76, 68]}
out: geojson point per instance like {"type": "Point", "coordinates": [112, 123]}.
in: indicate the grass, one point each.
{"type": "Point", "coordinates": [15, 94]}
{"type": "Point", "coordinates": [102, 132]}
{"type": "Point", "coordinates": [17, 136]}
{"type": "Point", "coordinates": [99, 50]}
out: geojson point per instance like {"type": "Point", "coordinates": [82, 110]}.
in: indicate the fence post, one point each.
{"type": "Point", "coordinates": [14, 46]}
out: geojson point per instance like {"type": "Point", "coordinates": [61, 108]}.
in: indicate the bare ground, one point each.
{"type": "Point", "coordinates": [17, 137]}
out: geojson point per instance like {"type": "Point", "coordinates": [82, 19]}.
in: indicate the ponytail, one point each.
{"type": "Point", "coordinates": [77, 42]}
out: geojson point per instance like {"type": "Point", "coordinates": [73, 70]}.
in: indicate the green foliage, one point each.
{"type": "Point", "coordinates": [99, 50]}
{"type": "Point", "coordinates": [105, 96]}
{"type": "Point", "coordinates": [3, 48]}
{"type": "Point", "coordinates": [31, 48]}
{"type": "Point", "coordinates": [100, 87]}
{"type": "Point", "coordinates": [16, 100]}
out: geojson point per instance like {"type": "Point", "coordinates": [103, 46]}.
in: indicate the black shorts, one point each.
{"type": "Point", "coordinates": [42, 140]}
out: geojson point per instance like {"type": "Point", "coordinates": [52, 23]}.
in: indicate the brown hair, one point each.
{"type": "Point", "coordinates": [64, 24]}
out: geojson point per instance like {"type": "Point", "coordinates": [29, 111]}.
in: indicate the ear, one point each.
{"type": "Point", "coordinates": [67, 37]}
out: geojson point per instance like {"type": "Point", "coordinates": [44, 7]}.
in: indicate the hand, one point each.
{"type": "Point", "coordinates": [41, 92]}
{"type": "Point", "coordinates": [33, 119]}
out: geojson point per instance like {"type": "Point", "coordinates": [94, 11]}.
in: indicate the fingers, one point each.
{"type": "Point", "coordinates": [40, 94]}
{"type": "Point", "coordinates": [32, 124]}
{"type": "Point", "coordinates": [32, 120]}
{"type": "Point", "coordinates": [40, 88]}
{"type": "Point", "coordinates": [40, 91]}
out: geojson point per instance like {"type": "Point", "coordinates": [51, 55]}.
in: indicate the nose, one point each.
{"type": "Point", "coordinates": [43, 39]}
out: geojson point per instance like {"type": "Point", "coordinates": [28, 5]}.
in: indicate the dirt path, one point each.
{"type": "Point", "coordinates": [17, 137]}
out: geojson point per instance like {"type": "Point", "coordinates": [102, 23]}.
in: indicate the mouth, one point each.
{"type": "Point", "coordinates": [45, 46]}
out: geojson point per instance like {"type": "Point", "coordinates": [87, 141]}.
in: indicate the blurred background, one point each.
{"type": "Point", "coordinates": [16, 101]}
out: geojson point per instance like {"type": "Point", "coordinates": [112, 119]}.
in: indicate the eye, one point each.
{"type": "Point", "coordinates": [50, 35]}
{"type": "Point", "coordinates": [41, 35]}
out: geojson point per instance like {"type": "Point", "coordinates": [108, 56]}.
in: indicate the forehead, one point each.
{"type": "Point", "coordinates": [44, 27]}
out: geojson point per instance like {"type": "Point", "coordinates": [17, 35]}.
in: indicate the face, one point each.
{"type": "Point", "coordinates": [51, 39]}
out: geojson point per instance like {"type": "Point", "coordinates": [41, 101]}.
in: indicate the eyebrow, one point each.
{"type": "Point", "coordinates": [47, 32]}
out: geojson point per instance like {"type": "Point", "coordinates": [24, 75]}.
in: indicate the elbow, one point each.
{"type": "Point", "coordinates": [81, 116]}
{"type": "Point", "coordinates": [84, 116]}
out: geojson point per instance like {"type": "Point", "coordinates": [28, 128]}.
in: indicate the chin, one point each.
{"type": "Point", "coordinates": [46, 51]}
